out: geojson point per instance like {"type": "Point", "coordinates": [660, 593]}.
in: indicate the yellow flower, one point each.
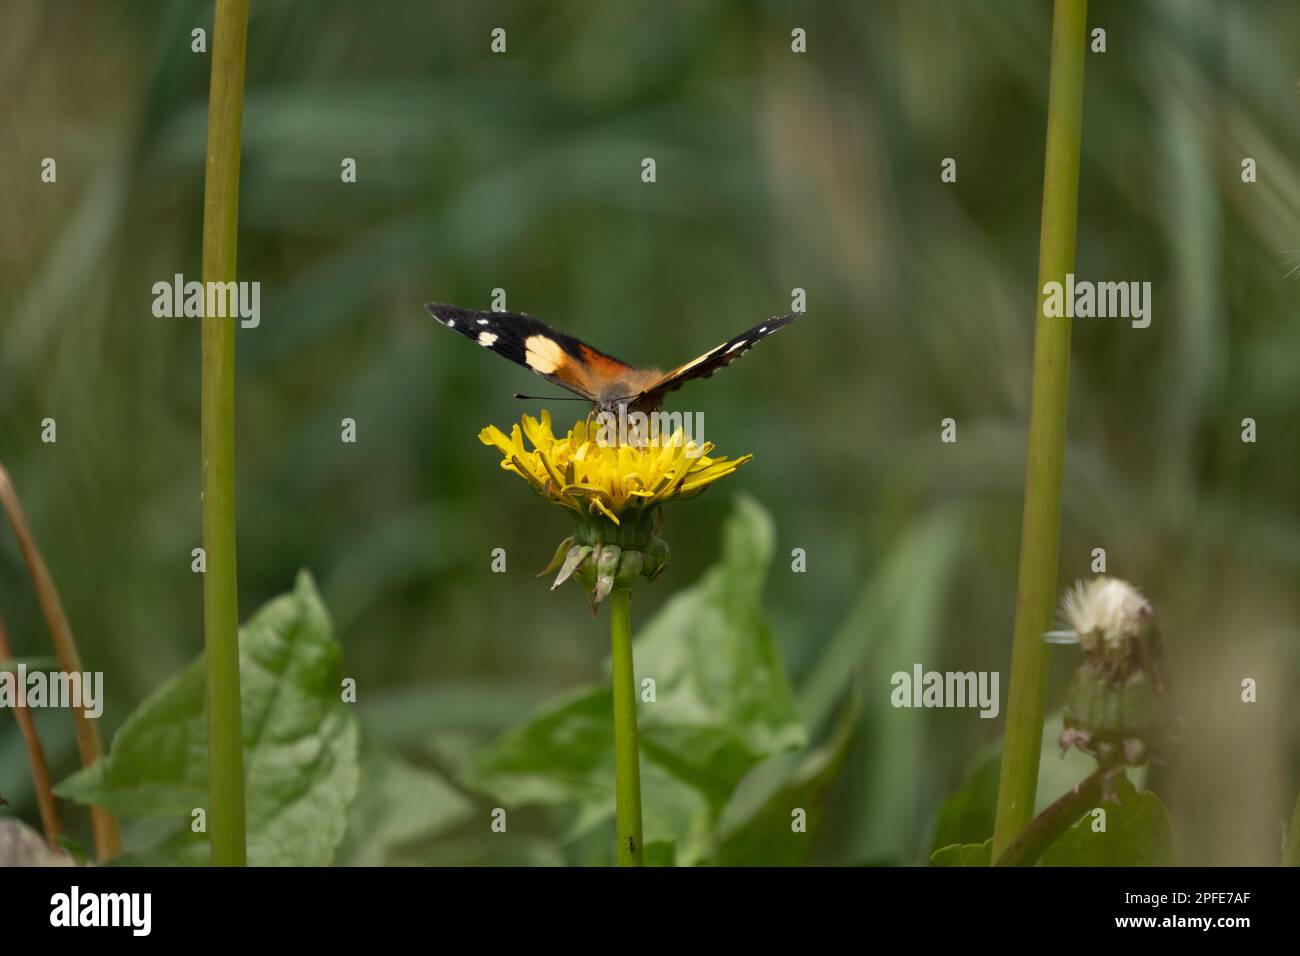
{"type": "Point", "coordinates": [614, 492]}
{"type": "Point", "coordinates": [591, 477]}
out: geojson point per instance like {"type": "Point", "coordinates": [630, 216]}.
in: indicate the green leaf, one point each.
{"type": "Point", "coordinates": [1138, 833]}
{"type": "Point", "coordinates": [300, 744]}
{"type": "Point", "coordinates": [562, 754]}
{"type": "Point", "coordinates": [967, 815]}
{"type": "Point", "coordinates": [72, 848]}
{"type": "Point", "coordinates": [660, 853]}
{"type": "Point", "coordinates": [398, 805]}
{"type": "Point", "coordinates": [722, 699]}
{"type": "Point", "coordinates": [758, 826]}
{"type": "Point", "coordinates": [722, 706]}
{"type": "Point", "coordinates": [964, 854]}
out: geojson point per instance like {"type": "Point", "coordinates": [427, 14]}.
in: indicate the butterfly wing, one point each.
{"type": "Point", "coordinates": [711, 361]}
{"type": "Point", "coordinates": [568, 362]}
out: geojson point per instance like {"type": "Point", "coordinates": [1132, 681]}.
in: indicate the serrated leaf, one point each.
{"type": "Point", "coordinates": [967, 814]}
{"type": "Point", "coordinates": [300, 744]}
{"type": "Point", "coordinates": [964, 854]}
{"type": "Point", "coordinates": [1138, 833]}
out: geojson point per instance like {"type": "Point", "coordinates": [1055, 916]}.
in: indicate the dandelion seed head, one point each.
{"type": "Point", "coordinates": [1107, 613]}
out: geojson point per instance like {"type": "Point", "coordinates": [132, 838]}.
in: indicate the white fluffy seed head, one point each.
{"type": "Point", "coordinates": [1108, 614]}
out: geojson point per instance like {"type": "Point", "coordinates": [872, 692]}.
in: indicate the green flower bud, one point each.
{"type": "Point", "coordinates": [1115, 720]}
{"type": "Point", "coordinates": [601, 555]}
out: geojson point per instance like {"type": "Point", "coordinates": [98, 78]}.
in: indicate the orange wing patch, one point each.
{"type": "Point", "coordinates": [603, 365]}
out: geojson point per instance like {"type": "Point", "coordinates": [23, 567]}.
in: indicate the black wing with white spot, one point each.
{"type": "Point", "coordinates": [714, 359]}
{"type": "Point", "coordinates": [556, 357]}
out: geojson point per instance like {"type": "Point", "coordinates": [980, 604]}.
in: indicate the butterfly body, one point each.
{"type": "Point", "coordinates": [608, 383]}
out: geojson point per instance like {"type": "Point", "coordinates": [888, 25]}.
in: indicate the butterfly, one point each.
{"type": "Point", "coordinates": [572, 364]}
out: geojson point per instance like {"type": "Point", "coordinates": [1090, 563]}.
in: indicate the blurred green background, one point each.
{"type": "Point", "coordinates": [775, 170]}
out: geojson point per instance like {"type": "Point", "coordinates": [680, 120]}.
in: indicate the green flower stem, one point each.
{"type": "Point", "coordinates": [1046, 828]}
{"type": "Point", "coordinates": [1291, 853]}
{"type": "Point", "coordinates": [1041, 525]}
{"type": "Point", "coordinates": [220, 598]}
{"type": "Point", "coordinates": [627, 748]}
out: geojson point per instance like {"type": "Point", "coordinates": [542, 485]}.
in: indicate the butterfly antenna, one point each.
{"type": "Point", "coordinates": [550, 398]}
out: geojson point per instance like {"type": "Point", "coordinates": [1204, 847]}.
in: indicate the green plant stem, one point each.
{"type": "Point", "coordinates": [1291, 852]}
{"type": "Point", "coordinates": [627, 747]}
{"type": "Point", "coordinates": [108, 842]}
{"type": "Point", "coordinates": [1041, 525]}
{"type": "Point", "coordinates": [1046, 828]}
{"type": "Point", "coordinates": [220, 598]}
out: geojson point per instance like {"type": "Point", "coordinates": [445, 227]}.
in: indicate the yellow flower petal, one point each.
{"type": "Point", "coordinates": [539, 432]}
{"type": "Point", "coordinates": [600, 506]}
{"type": "Point", "coordinates": [495, 437]}
{"type": "Point", "coordinates": [579, 472]}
